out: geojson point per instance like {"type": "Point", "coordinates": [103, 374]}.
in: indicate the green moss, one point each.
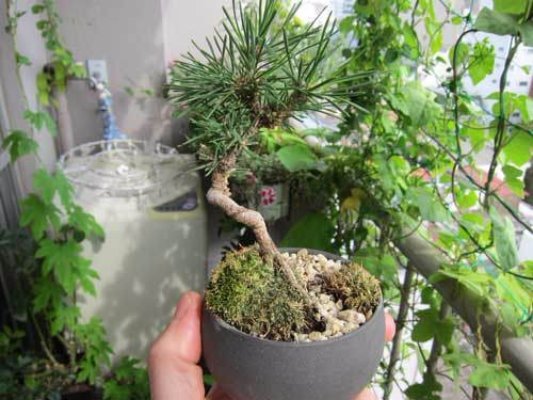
{"type": "Point", "coordinates": [252, 296]}
{"type": "Point", "coordinates": [355, 287]}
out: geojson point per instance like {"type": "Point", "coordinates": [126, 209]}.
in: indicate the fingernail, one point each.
{"type": "Point", "coordinates": [183, 305]}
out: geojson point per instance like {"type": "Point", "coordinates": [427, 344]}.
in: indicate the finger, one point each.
{"type": "Point", "coordinates": [366, 394]}
{"type": "Point", "coordinates": [181, 338]}
{"type": "Point", "coordinates": [390, 327]}
{"type": "Point", "coordinates": [172, 367]}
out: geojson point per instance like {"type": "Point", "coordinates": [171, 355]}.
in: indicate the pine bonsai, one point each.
{"type": "Point", "coordinates": [260, 70]}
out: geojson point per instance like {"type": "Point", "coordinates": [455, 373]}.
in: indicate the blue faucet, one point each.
{"type": "Point", "coordinates": [105, 107]}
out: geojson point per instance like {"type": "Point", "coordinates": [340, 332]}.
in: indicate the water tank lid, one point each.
{"type": "Point", "coordinates": [124, 167]}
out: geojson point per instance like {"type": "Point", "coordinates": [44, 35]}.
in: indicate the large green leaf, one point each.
{"type": "Point", "coordinates": [483, 61]}
{"type": "Point", "coordinates": [314, 231]}
{"type": "Point", "coordinates": [496, 22]}
{"type": "Point", "coordinates": [490, 375]}
{"type": "Point", "coordinates": [430, 325]}
{"type": "Point", "coordinates": [519, 149]}
{"type": "Point", "coordinates": [526, 33]}
{"type": "Point", "coordinates": [510, 6]}
{"type": "Point", "coordinates": [504, 240]}
{"type": "Point", "coordinates": [38, 214]}
{"type": "Point", "coordinates": [419, 104]}
{"type": "Point", "coordinates": [18, 143]}
{"type": "Point", "coordinates": [429, 205]}
{"type": "Point", "coordinates": [297, 157]}
{"type": "Point", "coordinates": [513, 179]}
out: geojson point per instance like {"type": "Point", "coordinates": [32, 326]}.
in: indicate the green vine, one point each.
{"type": "Point", "coordinates": [58, 226]}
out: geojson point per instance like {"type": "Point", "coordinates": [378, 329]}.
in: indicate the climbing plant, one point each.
{"type": "Point", "coordinates": [407, 165]}
{"type": "Point", "coordinates": [69, 350]}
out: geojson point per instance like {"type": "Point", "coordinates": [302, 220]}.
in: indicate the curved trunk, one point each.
{"type": "Point", "coordinates": [220, 196]}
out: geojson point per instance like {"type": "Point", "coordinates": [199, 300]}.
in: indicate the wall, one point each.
{"type": "Point", "coordinates": [184, 21]}
{"type": "Point", "coordinates": [138, 39]}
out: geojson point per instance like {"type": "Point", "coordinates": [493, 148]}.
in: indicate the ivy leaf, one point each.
{"type": "Point", "coordinates": [419, 104]}
{"type": "Point", "coordinates": [92, 337]}
{"type": "Point", "coordinates": [382, 266]}
{"type": "Point", "coordinates": [510, 7]}
{"type": "Point", "coordinates": [85, 222]}
{"type": "Point", "coordinates": [64, 261]}
{"type": "Point", "coordinates": [47, 292]}
{"type": "Point", "coordinates": [466, 198]}
{"type": "Point", "coordinates": [519, 149]}
{"type": "Point", "coordinates": [38, 214]}
{"type": "Point", "coordinates": [513, 179]}
{"type": "Point", "coordinates": [526, 33]}
{"type": "Point", "coordinates": [43, 87]}
{"type": "Point", "coordinates": [430, 325]}
{"type": "Point", "coordinates": [41, 118]}
{"type": "Point", "coordinates": [43, 182]}
{"type": "Point", "coordinates": [86, 276]}
{"type": "Point", "coordinates": [462, 50]}
{"type": "Point", "coordinates": [430, 207]}
{"type": "Point", "coordinates": [49, 185]}
{"type": "Point", "coordinates": [525, 106]}
{"type": "Point", "coordinates": [491, 376]}
{"type": "Point", "coordinates": [347, 24]}
{"type": "Point", "coordinates": [314, 231]}
{"type": "Point", "coordinates": [429, 389]}
{"type": "Point", "coordinates": [483, 62]}
{"type": "Point", "coordinates": [297, 157]}
{"type": "Point", "coordinates": [411, 40]}
{"type": "Point", "coordinates": [64, 189]}
{"type": "Point", "coordinates": [22, 59]}
{"type": "Point", "coordinates": [37, 8]}
{"type": "Point", "coordinates": [64, 317]}
{"type": "Point", "coordinates": [496, 22]}
{"type": "Point", "coordinates": [504, 240]}
{"type": "Point", "coordinates": [18, 143]}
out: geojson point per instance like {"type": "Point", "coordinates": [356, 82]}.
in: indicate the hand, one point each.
{"type": "Point", "coordinates": [172, 363]}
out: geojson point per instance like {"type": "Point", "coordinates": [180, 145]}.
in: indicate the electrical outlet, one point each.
{"type": "Point", "coordinates": [97, 69]}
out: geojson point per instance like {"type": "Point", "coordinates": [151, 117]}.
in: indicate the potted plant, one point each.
{"type": "Point", "coordinates": [277, 324]}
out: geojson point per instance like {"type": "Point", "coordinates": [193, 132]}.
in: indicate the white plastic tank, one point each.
{"type": "Point", "coordinates": [148, 199]}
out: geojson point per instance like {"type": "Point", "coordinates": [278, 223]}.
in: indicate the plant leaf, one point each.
{"type": "Point", "coordinates": [18, 143]}
{"type": "Point", "coordinates": [499, 23]}
{"type": "Point", "coordinates": [504, 240]}
{"type": "Point", "coordinates": [314, 231]}
{"type": "Point", "coordinates": [297, 157]}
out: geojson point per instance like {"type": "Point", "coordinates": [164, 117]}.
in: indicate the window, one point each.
{"type": "Point", "coordinates": [522, 83]}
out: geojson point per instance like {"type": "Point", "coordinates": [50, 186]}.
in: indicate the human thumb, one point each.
{"type": "Point", "coordinates": [181, 339]}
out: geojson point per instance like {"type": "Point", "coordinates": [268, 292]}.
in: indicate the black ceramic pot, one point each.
{"type": "Point", "coordinates": [251, 368]}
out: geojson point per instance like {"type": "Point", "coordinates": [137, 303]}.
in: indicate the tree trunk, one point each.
{"type": "Point", "coordinates": [220, 196]}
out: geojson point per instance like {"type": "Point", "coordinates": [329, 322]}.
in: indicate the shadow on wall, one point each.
{"type": "Point", "coordinates": [146, 263]}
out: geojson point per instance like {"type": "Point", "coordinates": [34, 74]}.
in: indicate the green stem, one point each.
{"type": "Point", "coordinates": [400, 323]}
{"type": "Point", "coordinates": [500, 132]}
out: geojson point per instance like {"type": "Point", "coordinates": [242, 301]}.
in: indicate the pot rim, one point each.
{"type": "Point", "coordinates": [347, 336]}
{"type": "Point", "coordinates": [359, 331]}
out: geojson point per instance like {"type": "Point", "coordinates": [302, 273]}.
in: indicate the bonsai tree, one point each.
{"type": "Point", "coordinates": [261, 70]}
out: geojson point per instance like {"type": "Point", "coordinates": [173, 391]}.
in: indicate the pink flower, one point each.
{"type": "Point", "coordinates": [268, 195]}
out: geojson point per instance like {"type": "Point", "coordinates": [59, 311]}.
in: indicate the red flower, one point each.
{"type": "Point", "coordinates": [268, 195]}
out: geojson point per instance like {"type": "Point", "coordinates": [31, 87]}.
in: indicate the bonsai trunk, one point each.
{"type": "Point", "coordinates": [220, 195]}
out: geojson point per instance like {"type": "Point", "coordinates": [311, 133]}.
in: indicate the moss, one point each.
{"type": "Point", "coordinates": [355, 287]}
{"type": "Point", "coordinates": [252, 296]}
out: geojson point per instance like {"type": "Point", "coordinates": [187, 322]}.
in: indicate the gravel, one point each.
{"type": "Point", "coordinates": [338, 321]}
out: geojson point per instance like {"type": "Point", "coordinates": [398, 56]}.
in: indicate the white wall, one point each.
{"type": "Point", "coordinates": [184, 21]}
{"type": "Point", "coordinates": [138, 39]}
